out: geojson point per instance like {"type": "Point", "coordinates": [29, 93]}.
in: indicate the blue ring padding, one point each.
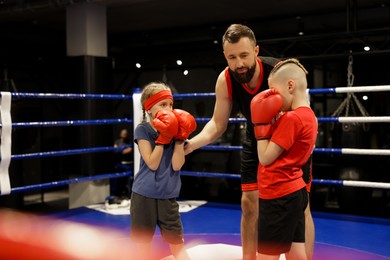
{"type": "Point", "coordinates": [69, 95]}
{"type": "Point", "coordinates": [210, 174]}
{"type": "Point", "coordinates": [328, 182]}
{"type": "Point", "coordinates": [231, 120]}
{"type": "Point", "coordinates": [322, 90]}
{"type": "Point", "coordinates": [328, 119]}
{"type": "Point", "coordinates": [243, 120]}
{"type": "Point", "coordinates": [237, 176]}
{"type": "Point", "coordinates": [311, 91]}
{"type": "Point", "coordinates": [69, 152]}
{"type": "Point", "coordinates": [71, 123]}
{"type": "Point", "coordinates": [202, 120]}
{"type": "Point", "coordinates": [328, 150]}
{"type": "Point", "coordinates": [221, 148]}
{"type": "Point", "coordinates": [237, 120]}
{"type": "Point", "coordinates": [237, 148]}
{"type": "Point", "coordinates": [70, 181]}
{"type": "Point", "coordinates": [191, 95]}
{"type": "Point", "coordinates": [121, 96]}
{"type": "Point", "coordinates": [126, 120]}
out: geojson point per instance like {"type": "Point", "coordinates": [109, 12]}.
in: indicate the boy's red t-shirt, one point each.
{"type": "Point", "coordinates": [296, 132]}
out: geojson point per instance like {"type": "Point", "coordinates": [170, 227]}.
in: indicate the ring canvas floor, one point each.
{"type": "Point", "coordinates": [212, 231]}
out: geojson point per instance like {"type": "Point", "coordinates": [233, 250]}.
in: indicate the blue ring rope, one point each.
{"type": "Point", "coordinates": [335, 119]}
{"type": "Point", "coordinates": [238, 176]}
{"type": "Point", "coordinates": [322, 90]}
{"type": "Point", "coordinates": [69, 152]}
{"type": "Point", "coordinates": [126, 120]}
{"type": "Point", "coordinates": [69, 96]}
{"type": "Point", "coordinates": [329, 150]}
{"type": "Point", "coordinates": [121, 148]}
{"type": "Point", "coordinates": [210, 174]}
{"type": "Point", "coordinates": [328, 182]}
{"type": "Point", "coordinates": [191, 95]}
{"type": "Point", "coordinates": [122, 96]}
{"type": "Point", "coordinates": [71, 123]}
{"type": "Point", "coordinates": [221, 148]}
{"type": "Point", "coordinates": [70, 181]}
{"type": "Point", "coordinates": [238, 148]}
{"type": "Point", "coordinates": [129, 173]}
{"type": "Point", "coordinates": [311, 91]}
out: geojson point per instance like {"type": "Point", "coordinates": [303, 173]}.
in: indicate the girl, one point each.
{"type": "Point", "coordinates": [157, 184]}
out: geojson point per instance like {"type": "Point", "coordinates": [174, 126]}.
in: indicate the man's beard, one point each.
{"type": "Point", "coordinates": [244, 77]}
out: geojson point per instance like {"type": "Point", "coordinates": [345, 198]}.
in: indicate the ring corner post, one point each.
{"type": "Point", "coordinates": [137, 115]}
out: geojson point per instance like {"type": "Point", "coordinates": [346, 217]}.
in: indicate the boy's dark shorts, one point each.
{"type": "Point", "coordinates": [281, 222]}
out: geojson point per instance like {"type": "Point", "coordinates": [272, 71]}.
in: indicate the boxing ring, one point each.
{"type": "Point", "coordinates": [197, 226]}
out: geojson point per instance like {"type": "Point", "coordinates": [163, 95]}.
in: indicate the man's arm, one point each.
{"type": "Point", "coordinates": [178, 157]}
{"type": "Point", "coordinates": [219, 121]}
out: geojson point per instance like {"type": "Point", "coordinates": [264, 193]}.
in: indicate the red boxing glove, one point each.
{"type": "Point", "coordinates": [264, 107]}
{"type": "Point", "coordinates": [166, 124]}
{"type": "Point", "coordinates": [187, 124]}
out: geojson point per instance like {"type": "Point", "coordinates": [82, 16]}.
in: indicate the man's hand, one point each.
{"type": "Point", "coordinates": [187, 124]}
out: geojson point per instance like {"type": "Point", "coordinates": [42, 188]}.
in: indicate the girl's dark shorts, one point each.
{"type": "Point", "coordinates": [147, 213]}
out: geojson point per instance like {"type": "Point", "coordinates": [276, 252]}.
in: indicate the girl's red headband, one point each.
{"type": "Point", "coordinates": [154, 99]}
